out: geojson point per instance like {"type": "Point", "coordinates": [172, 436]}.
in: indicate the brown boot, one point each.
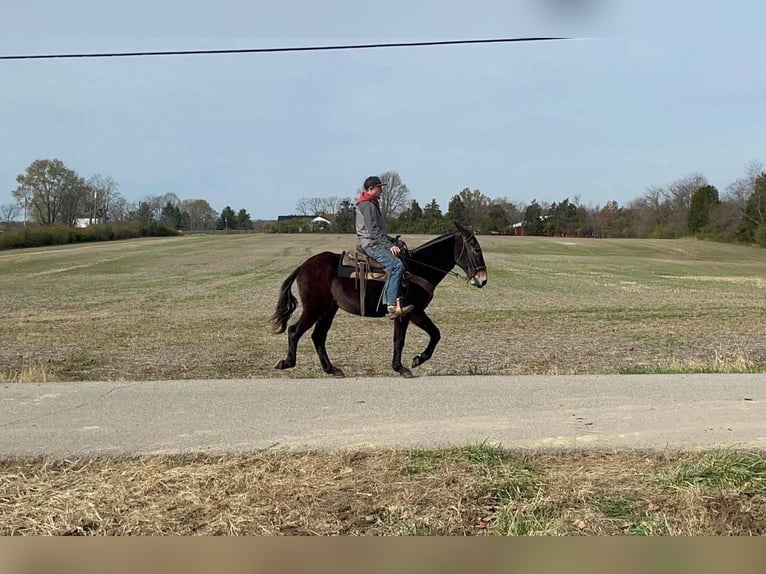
{"type": "Point", "coordinates": [397, 311]}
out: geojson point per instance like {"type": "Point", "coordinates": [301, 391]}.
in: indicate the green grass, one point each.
{"type": "Point", "coordinates": [199, 306]}
{"type": "Point", "coordinates": [720, 470]}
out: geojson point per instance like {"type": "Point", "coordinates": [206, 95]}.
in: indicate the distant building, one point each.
{"type": "Point", "coordinates": [290, 217]}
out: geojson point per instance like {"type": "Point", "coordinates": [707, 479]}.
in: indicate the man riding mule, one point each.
{"type": "Point", "coordinates": [375, 242]}
{"type": "Point", "coordinates": [323, 291]}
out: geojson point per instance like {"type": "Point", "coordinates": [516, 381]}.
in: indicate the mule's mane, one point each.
{"type": "Point", "coordinates": [433, 241]}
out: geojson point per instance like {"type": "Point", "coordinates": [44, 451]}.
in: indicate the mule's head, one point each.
{"type": "Point", "coordinates": [469, 258]}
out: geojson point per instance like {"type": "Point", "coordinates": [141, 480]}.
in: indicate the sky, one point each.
{"type": "Point", "coordinates": [645, 95]}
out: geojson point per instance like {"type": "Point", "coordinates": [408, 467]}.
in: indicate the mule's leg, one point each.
{"type": "Point", "coordinates": [294, 334]}
{"type": "Point", "coordinates": [424, 322]}
{"type": "Point", "coordinates": [319, 336]}
{"type": "Point", "coordinates": [400, 332]}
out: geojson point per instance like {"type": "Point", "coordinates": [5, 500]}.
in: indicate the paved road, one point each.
{"type": "Point", "coordinates": [643, 411]}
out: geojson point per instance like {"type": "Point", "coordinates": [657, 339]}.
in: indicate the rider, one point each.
{"type": "Point", "coordinates": [375, 242]}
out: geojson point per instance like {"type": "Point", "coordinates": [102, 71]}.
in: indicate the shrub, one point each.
{"type": "Point", "coordinates": [43, 235]}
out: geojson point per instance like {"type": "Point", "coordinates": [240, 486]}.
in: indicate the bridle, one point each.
{"type": "Point", "coordinates": [473, 268]}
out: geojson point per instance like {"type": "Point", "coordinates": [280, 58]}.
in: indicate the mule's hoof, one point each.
{"type": "Point", "coordinates": [406, 373]}
{"type": "Point", "coordinates": [282, 364]}
{"type": "Point", "coordinates": [416, 361]}
{"type": "Point", "coordinates": [337, 373]}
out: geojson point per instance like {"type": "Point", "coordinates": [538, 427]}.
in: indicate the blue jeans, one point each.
{"type": "Point", "coordinates": [395, 271]}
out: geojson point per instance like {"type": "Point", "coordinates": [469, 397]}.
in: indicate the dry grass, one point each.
{"type": "Point", "coordinates": [199, 307]}
{"type": "Point", "coordinates": [28, 374]}
{"type": "Point", "coordinates": [465, 491]}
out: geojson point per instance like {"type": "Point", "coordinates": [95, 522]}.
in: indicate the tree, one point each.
{"type": "Point", "coordinates": [702, 204]}
{"type": "Point", "coordinates": [345, 219]}
{"type": "Point", "coordinates": [51, 191]}
{"type": "Point", "coordinates": [143, 214]}
{"type": "Point", "coordinates": [243, 220]}
{"type": "Point", "coordinates": [496, 219]}
{"type": "Point", "coordinates": [533, 219]}
{"type": "Point", "coordinates": [740, 191]}
{"type": "Point", "coordinates": [753, 228]}
{"type": "Point", "coordinates": [409, 219]}
{"type": "Point", "coordinates": [562, 219]}
{"type": "Point", "coordinates": [102, 194]}
{"type": "Point", "coordinates": [650, 214]}
{"type": "Point", "coordinates": [201, 215]}
{"type": "Point", "coordinates": [8, 212]}
{"type": "Point", "coordinates": [324, 206]}
{"type": "Point", "coordinates": [433, 220]}
{"type": "Point", "coordinates": [395, 195]}
{"type": "Point", "coordinates": [476, 205]}
{"type": "Point", "coordinates": [456, 210]}
{"type": "Point", "coordinates": [678, 198]}
{"type": "Point", "coordinates": [227, 219]}
{"type": "Point", "coordinates": [612, 221]}
{"type": "Point", "coordinates": [171, 215]}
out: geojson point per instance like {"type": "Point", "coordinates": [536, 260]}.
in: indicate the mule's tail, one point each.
{"type": "Point", "coordinates": [285, 306]}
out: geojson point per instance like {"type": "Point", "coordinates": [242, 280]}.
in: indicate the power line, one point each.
{"type": "Point", "coordinates": [284, 49]}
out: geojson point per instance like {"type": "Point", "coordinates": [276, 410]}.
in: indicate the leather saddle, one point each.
{"type": "Point", "coordinates": [359, 265]}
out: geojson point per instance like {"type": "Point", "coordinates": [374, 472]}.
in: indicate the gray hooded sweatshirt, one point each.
{"type": "Point", "coordinates": [370, 227]}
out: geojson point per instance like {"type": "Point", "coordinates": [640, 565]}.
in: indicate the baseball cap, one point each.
{"type": "Point", "coordinates": [372, 181]}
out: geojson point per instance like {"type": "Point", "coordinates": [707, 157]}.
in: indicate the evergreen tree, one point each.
{"type": "Point", "coordinates": [345, 219]}
{"type": "Point", "coordinates": [533, 219]}
{"type": "Point", "coordinates": [703, 201]}
{"type": "Point", "coordinates": [496, 219]}
{"type": "Point", "coordinates": [228, 219]}
{"type": "Point", "coordinates": [243, 220]}
{"type": "Point", "coordinates": [457, 211]}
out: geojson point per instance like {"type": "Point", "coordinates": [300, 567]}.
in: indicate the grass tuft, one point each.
{"type": "Point", "coordinates": [31, 374]}
{"type": "Point", "coordinates": [721, 469]}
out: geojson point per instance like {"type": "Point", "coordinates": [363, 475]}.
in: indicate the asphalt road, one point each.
{"type": "Point", "coordinates": [216, 416]}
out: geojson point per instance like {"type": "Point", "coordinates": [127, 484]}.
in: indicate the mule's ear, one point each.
{"type": "Point", "coordinates": [462, 229]}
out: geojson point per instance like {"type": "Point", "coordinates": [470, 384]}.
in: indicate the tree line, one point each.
{"type": "Point", "coordinates": [689, 206]}
{"type": "Point", "coordinates": [49, 194]}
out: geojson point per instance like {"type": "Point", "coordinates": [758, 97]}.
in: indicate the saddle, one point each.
{"type": "Point", "coordinates": [360, 266]}
{"type": "Point", "coordinates": [357, 264]}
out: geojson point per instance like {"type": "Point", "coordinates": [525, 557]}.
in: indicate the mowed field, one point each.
{"type": "Point", "coordinates": [199, 307]}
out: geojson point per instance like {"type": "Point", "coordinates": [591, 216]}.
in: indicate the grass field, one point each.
{"type": "Point", "coordinates": [198, 306]}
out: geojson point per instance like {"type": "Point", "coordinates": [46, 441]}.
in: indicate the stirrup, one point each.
{"type": "Point", "coordinates": [399, 311]}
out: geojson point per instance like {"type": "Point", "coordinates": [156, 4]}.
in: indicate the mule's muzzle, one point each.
{"type": "Point", "coordinates": [479, 279]}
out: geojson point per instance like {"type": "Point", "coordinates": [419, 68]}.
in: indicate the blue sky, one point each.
{"type": "Point", "coordinates": [653, 94]}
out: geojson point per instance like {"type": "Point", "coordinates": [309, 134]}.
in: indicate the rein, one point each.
{"type": "Point", "coordinates": [472, 268]}
{"type": "Point", "coordinates": [445, 271]}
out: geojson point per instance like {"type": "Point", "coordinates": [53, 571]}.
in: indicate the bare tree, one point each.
{"type": "Point", "coordinates": [678, 197]}
{"type": "Point", "coordinates": [157, 203]}
{"type": "Point", "coordinates": [650, 212]}
{"type": "Point", "coordinates": [102, 192]}
{"type": "Point", "coordinates": [395, 197]}
{"type": "Point", "coordinates": [740, 191]}
{"type": "Point", "coordinates": [9, 212]}
{"type": "Point", "coordinates": [201, 215]}
{"type": "Point", "coordinates": [118, 209]}
{"type": "Point", "coordinates": [311, 206]}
